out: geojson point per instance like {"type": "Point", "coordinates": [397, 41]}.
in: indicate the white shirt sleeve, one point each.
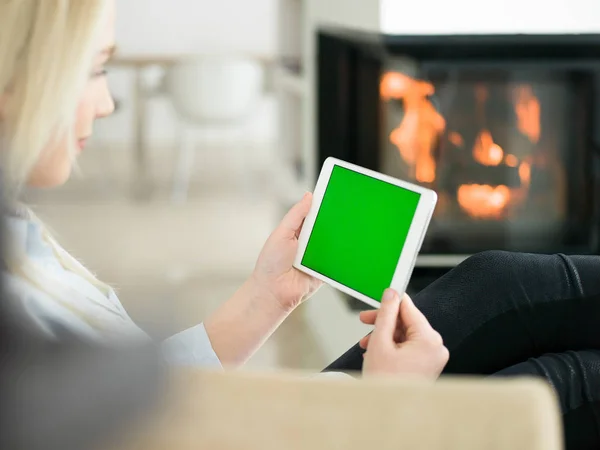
{"type": "Point", "coordinates": [191, 347]}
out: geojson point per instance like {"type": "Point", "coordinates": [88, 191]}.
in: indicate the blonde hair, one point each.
{"type": "Point", "coordinates": [46, 54]}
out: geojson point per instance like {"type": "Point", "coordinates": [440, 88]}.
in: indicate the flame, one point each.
{"type": "Point", "coordinates": [527, 108]}
{"type": "Point", "coordinates": [397, 86]}
{"type": "Point", "coordinates": [483, 201]}
{"type": "Point", "coordinates": [421, 126]}
{"type": "Point", "coordinates": [511, 161]}
{"type": "Point", "coordinates": [456, 139]}
{"type": "Point", "coordinates": [486, 151]}
{"type": "Point", "coordinates": [525, 173]}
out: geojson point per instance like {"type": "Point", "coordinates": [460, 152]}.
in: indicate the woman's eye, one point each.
{"type": "Point", "coordinates": [99, 73]}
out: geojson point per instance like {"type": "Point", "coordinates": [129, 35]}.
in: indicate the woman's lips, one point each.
{"type": "Point", "coordinates": [82, 143]}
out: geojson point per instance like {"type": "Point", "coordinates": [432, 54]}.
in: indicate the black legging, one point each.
{"type": "Point", "coordinates": [511, 314]}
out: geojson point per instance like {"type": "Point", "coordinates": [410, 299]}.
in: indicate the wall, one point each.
{"type": "Point", "coordinates": [361, 14]}
{"type": "Point", "coordinates": [159, 27]}
{"type": "Point", "coordinates": [480, 17]}
{"type": "Point", "coordinates": [180, 26]}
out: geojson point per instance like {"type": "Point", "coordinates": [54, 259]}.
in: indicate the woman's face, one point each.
{"type": "Point", "coordinates": [55, 164]}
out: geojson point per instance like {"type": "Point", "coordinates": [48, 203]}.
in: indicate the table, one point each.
{"type": "Point", "coordinates": [143, 186]}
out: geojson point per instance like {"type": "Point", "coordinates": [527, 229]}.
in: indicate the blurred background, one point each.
{"type": "Point", "coordinates": [226, 109]}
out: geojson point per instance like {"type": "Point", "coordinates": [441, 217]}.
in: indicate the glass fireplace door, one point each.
{"type": "Point", "coordinates": [508, 148]}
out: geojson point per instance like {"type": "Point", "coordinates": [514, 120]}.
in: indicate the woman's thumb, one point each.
{"type": "Point", "coordinates": [293, 220]}
{"type": "Point", "coordinates": [387, 318]}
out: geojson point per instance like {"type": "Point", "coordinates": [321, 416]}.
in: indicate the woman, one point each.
{"type": "Point", "coordinates": [52, 88]}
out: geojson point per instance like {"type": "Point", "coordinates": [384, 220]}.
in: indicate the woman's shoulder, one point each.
{"type": "Point", "coordinates": [55, 292]}
{"type": "Point", "coordinates": [38, 311]}
{"type": "Point", "coordinates": [66, 310]}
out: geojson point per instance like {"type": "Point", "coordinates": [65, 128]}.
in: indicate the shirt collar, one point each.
{"type": "Point", "coordinates": [25, 238]}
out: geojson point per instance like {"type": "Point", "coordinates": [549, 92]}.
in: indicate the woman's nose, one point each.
{"type": "Point", "coordinates": [106, 105]}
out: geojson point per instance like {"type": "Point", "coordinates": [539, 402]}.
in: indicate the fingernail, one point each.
{"type": "Point", "coordinates": [389, 295]}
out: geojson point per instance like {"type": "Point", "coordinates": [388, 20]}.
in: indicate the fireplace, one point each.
{"type": "Point", "coordinates": [506, 129]}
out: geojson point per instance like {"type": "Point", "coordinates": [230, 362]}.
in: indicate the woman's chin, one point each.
{"type": "Point", "coordinates": [50, 179]}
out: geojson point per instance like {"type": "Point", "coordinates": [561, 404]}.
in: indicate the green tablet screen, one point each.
{"type": "Point", "coordinates": [360, 231]}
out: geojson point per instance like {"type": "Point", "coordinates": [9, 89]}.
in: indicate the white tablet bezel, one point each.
{"type": "Point", "coordinates": [414, 240]}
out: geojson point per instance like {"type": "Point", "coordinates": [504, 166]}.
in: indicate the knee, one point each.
{"type": "Point", "coordinates": [480, 275]}
{"type": "Point", "coordinates": [489, 260]}
{"type": "Point", "coordinates": [495, 266]}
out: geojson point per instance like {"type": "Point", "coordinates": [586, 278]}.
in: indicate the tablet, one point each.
{"type": "Point", "coordinates": [364, 230]}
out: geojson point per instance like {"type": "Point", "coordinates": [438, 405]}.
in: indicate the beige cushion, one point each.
{"type": "Point", "coordinates": [275, 412]}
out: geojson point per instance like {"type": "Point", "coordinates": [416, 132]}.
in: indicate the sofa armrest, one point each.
{"type": "Point", "coordinates": [274, 412]}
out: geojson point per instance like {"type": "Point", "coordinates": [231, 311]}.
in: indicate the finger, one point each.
{"type": "Point", "coordinates": [399, 335]}
{"type": "Point", "coordinates": [387, 318]}
{"type": "Point", "coordinates": [364, 342]}
{"type": "Point", "coordinates": [368, 317]}
{"type": "Point", "coordinates": [412, 319]}
{"type": "Point", "coordinates": [293, 220]}
{"type": "Point", "coordinates": [399, 338]}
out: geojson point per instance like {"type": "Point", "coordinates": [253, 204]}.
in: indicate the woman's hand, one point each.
{"type": "Point", "coordinates": [242, 324]}
{"type": "Point", "coordinates": [403, 342]}
{"type": "Point", "coordinates": [274, 273]}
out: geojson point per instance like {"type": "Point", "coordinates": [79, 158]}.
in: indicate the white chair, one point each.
{"type": "Point", "coordinates": [212, 93]}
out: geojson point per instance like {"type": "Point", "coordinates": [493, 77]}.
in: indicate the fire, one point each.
{"type": "Point", "coordinates": [483, 201]}
{"type": "Point", "coordinates": [456, 139]}
{"type": "Point", "coordinates": [527, 108]}
{"type": "Point", "coordinates": [525, 173]}
{"type": "Point", "coordinates": [421, 127]}
{"type": "Point", "coordinates": [486, 151]}
{"type": "Point", "coordinates": [397, 86]}
{"type": "Point", "coordinates": [511, 161]}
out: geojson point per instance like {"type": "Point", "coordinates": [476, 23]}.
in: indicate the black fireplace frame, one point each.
{"type": "Point", "coordinates": [349, 66]}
